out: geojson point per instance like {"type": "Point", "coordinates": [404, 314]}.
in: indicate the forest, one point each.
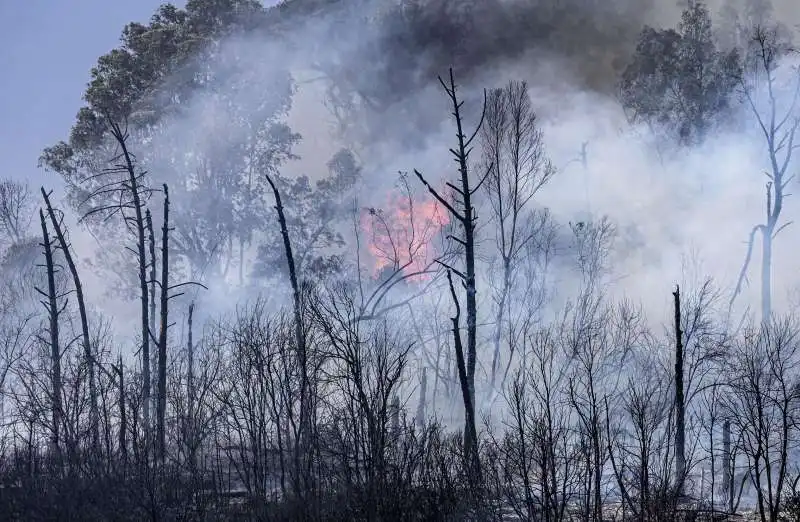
{"type": "Point", "coordinates": [406, 260]}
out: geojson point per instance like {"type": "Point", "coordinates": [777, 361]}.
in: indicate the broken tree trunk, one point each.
{"type": "Point", "coordinates": [94, 415]}
{"type": "Point", "coordinates": [135, 189]}
{"type": "Point", "coordinates": [190, 436]}
{"type": "Point", "coordinates": [51, 305]}
{"type": "Point", "coordinates": [465, 215]}
{"type": "Point", "coordinates": [303, 444]}
{"type": "Point", "coordinates": [153, 282]}
{"type": "Point", "coordinates": [162, 336]}
{"type": "Point", "coordinates": [680, 422]}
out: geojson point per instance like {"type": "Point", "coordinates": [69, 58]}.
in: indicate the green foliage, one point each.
{"type": "Point", "coordinates": [679, 81]}
{"type": "Point", "coordinates": [150, 94]}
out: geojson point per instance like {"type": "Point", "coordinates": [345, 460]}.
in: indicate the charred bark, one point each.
{"type": "Point", "coordinates": [680, 402]}
{"type": "Point", "coordinates": [153, 368]}
{"type": "Point", "coordinates": [466, 217]}
{"type": "Point", "coordinates": [135, 189]}
{"type": "Point", "coordinates": [303, 444]}
{"type": "Point", "coordinates": [162, 336]}
{"type": "Point", "coordinates": [53, 312]}
{"type": "Point", "coordinates": [94, 416]}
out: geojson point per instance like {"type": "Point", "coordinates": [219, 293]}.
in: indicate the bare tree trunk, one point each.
{"type": "Point", "coordinates": [162, 337]}
{"type": "Point", "coordinates": [94, 416]}
{"type": "Point", "coordinates": [680, 422]}
{"type": "Point", "coordinates": [303, 446]}
{"type": "Point", "coordinates": [470, 431]}
{"type": "Point", "coordinates": [768, 234]}
{"type": "Point", "coordinates": [190, 392]}
{"type": "Point", "coordinates": [153, 362]}
{"type": "Point", "coordinates": [499, 317]}
{"type": "Point", "coordinates": [465, 216]}
{"type": "Point", "coordinates": [53, 312]}
{"type": "Point", "coordinates": [727, 466]}
{"type": "Point", "coordinates": [119, 369]}
{"type": "Point", "coordinates": [135, 192]}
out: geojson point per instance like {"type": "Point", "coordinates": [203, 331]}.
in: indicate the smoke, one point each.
{"type": "Point", "coordinates": [670, 211]}
{"type": "Point", "coordinates": [370, 84]}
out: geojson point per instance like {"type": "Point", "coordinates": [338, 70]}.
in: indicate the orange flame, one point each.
{"type": "Point", "coordinates": [400, 238]}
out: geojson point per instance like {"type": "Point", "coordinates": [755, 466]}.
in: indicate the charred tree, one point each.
{"type": "Point", "coordinates": [303, 444]}
{"type": "Point", "coordinates": [190, 392]}
{"type": "Point", "coordinates": [53, 312]}
{"type": "Point", "coordinates": [162, 336]}
{"type": "Point", "coordinates": [727, 466]}
{"type": "Point", "coordinates": [119, 370]}
{"type": "Point", "coordinates": [135, 189]}
{"type": "Point", "coordinates": [465, 216]}
{"type": "Point", "coordinates": [470, 430]}
{"type": "Point", "coordinates": [680, 402]}
{"type": "Point", "coordinates": [94, 415]}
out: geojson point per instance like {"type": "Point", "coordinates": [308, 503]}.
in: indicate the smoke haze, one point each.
{"type": "Point", "coordinates": [671, 211]}
{"type": "Point", "coordinates": [680, 217]}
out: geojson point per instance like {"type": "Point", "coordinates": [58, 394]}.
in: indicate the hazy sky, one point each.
{"type": "Point", "coordinates": [46, 50]}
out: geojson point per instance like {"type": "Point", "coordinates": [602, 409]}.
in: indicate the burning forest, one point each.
{"type": "Point", "coordinates": [488, 260]}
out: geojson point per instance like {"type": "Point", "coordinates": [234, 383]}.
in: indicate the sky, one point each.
{"type": "Point", "coordinates": [48, 48]}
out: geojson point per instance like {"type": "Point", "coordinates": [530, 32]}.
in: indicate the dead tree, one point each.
{"type": "Point", "coordinates": [303, 444]}
{"type": "Point", "coordinates": [778, 121]}
{"type": "Point", "coordinates": [680, 403]}
{"type": "Point", "coordinates": [119, 369]}
{"type": "Point", "coordinates": [118, 189]}
{"type": "Point", "coordinates": [190, 435]}
{"type": "Point", "coordinates": [135, 190]}
{"type": "Point", "coordinates": [53, 312]}
{"type": "Point", "coordinates": [153, 368]}
{"type": "Point", "coordinates": [162, 336]}
{"type": "Point", "coordinates": [465, 216]}
{"type": "Point", "coordinates": [65, 247]}
{"type": "Point", "coordinates": [727, 466]}
{"type": "Point", "coordinates": [513, 147]}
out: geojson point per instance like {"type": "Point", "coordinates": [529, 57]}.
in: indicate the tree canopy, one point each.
{"type": "Point", "coordinates": [679, 81]}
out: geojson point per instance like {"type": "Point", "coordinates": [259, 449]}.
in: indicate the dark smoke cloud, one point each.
{"type": "Point", "coordinates": [414, 40]}
{"type": "Point", "coordinates": [383, 57]}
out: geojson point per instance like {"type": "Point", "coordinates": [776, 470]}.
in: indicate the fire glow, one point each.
{"type": "Point", "coordinates": [400, 237]}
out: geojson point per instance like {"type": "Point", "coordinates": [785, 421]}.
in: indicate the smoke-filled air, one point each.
{"type": "Point", "coordinates": [399, 260]}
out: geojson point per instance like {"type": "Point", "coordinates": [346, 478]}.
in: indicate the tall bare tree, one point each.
{"type": "Point", "coordinates": [53, 313]}
{"type": "Point", "coordinates": [680, 399]}
{"type": "Point", "coordinates": [462, 211]}
{"type": "Point", "coordinates": [771, 89]}
{"type": "Point", "coordinates": [304, 442]}
{"type": "Point", "coordinates": [513, 148]}
{"type": "Point", "coordinates": [162, 334]}
{"type": "Point", "coordinates": [66, 249]}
